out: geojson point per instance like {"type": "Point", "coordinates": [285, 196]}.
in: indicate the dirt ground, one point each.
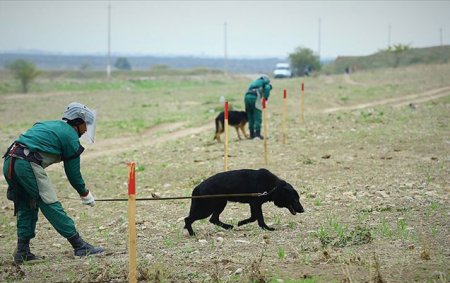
{"type": "Point", "coordinates": [373, 178]}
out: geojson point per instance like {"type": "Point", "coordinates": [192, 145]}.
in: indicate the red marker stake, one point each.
{"type": "Point", "coordinates": [284, 116]}
{"type": "Point", "coordinates": [302, 106]}
{"type": "Point", "coordinates": [226, 135]}
{"type": "Point", "coordinates": [132, 223]}
{"type": "Point", "coordinates": [265, 129]}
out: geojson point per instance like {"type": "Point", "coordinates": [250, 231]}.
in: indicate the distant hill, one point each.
{"type": "Point", "coordinates": [381, 59]}
{"type": "Point", "coordinates": [385, 59]}
{"type": "Point", "coordinates": [96, 62]}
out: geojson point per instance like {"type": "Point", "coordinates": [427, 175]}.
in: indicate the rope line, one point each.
{"type": "Point", "coordinates": [191, 197]}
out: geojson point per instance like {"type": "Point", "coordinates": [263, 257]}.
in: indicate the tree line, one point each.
{"type": "Point", "coordinates": [303, 61]}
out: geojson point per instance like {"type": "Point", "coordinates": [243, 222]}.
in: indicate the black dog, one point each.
{"type": "Point", "coordinates": [243, 181]}
{"type": "Point", "coordinates": [237, 119]}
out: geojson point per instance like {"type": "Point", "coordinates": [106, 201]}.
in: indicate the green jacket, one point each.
{"type": "Point", "coordinates": [262, 85]}
{"type": "Point", "coordinates": [59, 141]}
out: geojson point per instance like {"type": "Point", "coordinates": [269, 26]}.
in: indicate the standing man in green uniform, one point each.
{"type": "Point", "coordinates": [29, 187]}
{"type": "Point", "coordinates": [256, 91]}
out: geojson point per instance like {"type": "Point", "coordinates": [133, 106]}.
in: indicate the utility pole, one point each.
{"type": "Point", "coordinates": [225, 49]}
{"type": "Point", "coordinates": [108, 66]}
{"type": "Point", "coordinates": [440, 36]}
{"type": "Point", "coordinates": [320, 23]}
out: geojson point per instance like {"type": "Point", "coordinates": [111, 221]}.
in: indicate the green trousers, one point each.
{"type": "Point", "coordinates": [254, 115]}
{"type": "Point", "coordinates": [29, 202]}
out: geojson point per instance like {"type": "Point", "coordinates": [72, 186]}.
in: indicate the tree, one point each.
{"type": "Point", "coordinates": [122, 64]}
{"type": "Point", "coordinates": [398, 50]}
{"type": "Point", "coordinates": [25, 71]}
{"type": "Point", "coordinates": [303, 61]}
{"type": "Point", "coordinates": [85, 65]}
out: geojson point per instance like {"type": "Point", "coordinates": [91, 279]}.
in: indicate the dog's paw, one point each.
{"type": "Point", "coordinates": [268, 228]}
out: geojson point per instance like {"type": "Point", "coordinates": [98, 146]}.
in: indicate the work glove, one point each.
{"type": "Point", "coordinates": [88, 199]}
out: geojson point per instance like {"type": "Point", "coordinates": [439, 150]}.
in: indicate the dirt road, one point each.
{"type": "Point", "coordinates": [397, 101]}
{"type": "Point", "coordinates": [176, 130]}
{"type": "Point", "coordinates": [166, 132]}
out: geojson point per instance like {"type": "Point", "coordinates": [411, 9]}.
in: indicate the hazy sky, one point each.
{"type": "Point", "coordinates": [254, 28]}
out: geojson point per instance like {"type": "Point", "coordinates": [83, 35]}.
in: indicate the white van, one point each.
{"type": "Point", "coordinates": [282, 70]}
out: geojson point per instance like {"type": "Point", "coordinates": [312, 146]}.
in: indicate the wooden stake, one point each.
{"type": "Point", "coordinates": [302, 106]}
{"type": "Point", "coordinates": [284, 116]}
{"type": "Point", "coordinates": [265, 129]}
{"type": "Point", "coordinates": [226, 135]}
{"type": "Point", "coordinates": [132, 266]}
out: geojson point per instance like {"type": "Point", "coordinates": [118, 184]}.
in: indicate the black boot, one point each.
{"type": "Point", "coordinates": [23, 252]}
{"type": "Point", "coordinates": [81, 248]}
{"type": "Point", "coordinates": [252, 134]}
{"type": "Point", "coordinates": [258, 135]}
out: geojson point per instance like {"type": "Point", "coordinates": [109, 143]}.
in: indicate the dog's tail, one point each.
{"type": "Point", "coordinates": [219, 128]}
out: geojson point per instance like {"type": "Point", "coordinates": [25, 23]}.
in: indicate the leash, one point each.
{"type": "Point", "coordinates": [194, 197]}
{"type": "Point", "coordinates": [191, 197]}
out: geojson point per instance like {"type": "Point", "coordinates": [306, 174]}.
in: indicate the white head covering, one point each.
{"type": "Point", "coordinates": [77, 110]}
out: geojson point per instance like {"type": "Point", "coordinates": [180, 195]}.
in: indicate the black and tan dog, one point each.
{"type": "Point", "coordinates": [244, 181]}
{"type": "Point", "coordinates": [237, 119]}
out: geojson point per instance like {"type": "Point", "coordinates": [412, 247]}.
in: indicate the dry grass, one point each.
{"type": "Point", "coordinates": [370, 181]}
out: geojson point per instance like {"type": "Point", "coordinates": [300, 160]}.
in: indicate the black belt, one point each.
{"type": "Point", "coordinates": [21, 152]}
{"type": "Point", "coordinates": [253, 91]}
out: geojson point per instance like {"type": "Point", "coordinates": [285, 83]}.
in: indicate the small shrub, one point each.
{"type": "Point", "coordinates": [155, 273]}
{"type": "Point", "coordinates": [384, 228]}
{"type": "Point", "coordinates": [402, 228]}
{"type": "Point", "coordinates": [344, 98]}
{"type": "Point", "coordinates": [140, 168]}
{"type": "Point", "coordinates": [361, 235]}
{"type": "Point", "coordinates": [340, 235]}
{"type": "Point", "coordinates": [254, 272]}
{"type": "Point", "coordinates": [277, 219]}
{"type": "Point", "coordinates": [306, 160]}
{"type": "Point", "coordinates": [318, 202]}
{"type": "Point", "coordinates": [323, 236]}
{"type": "Point", "coordinates": [281, 253]}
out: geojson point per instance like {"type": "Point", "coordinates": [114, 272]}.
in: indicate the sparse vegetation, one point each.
{"type": "Point", "coordinates": [24, 71]}
{"type": "Point", "coordinates": [372, 178]}
{"type": "Point", "coordinates": [399, 55]}
{"type": "Point", "coordinates": [122, 64]}
{"type": "Point", "coordinates": [304, 61]}
{"type": "Point", "coordinates": [398, 50]}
